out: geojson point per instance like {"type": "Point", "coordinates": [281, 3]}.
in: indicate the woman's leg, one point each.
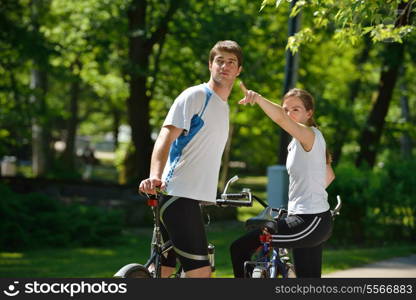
{"type": "Point", "coordinates": [308, 261]}
{"type": "Point", "coordinates": [306, 235]}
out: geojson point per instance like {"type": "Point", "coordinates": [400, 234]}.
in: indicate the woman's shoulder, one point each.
{"type": "Point", "coordinates": [319, 137]}
{"type": "Point", "coordinates": [317, 132]}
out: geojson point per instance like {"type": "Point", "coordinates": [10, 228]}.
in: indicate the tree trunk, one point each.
{"type": "Point", "coordinates": [40, 135]}
{"type": "Point", "coordinates": [291, 72]}
{"type": "Point", "coordinates": [137, 164]}
{"type": "Point", "coordinates": [72, 124]}
{"type": "Point", "coordinates": [406, 140]}
{"type": "Point", "coordinates": [38, 83]}
{"type": "Point", "coordinates": [116, 126]}
{"type": "Point", "coordinates": [392, 61]}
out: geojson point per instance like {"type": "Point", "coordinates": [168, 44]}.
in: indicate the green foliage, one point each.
{"type": "Point", "coordinates": [95, 33]}
{"type": "Point", "coordinates": [378, 205]}
{"type": "Point", "coordinates": [36, 221]}
{"type": "Point", "coordinates": [350, 20]}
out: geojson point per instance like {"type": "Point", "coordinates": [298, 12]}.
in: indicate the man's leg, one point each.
{"type": "Point", "coordinates": [204, 272]}
{"type": "Point", "coordinates": [183, 221]}
{"type": "Point", "coordinates": [167, 271]}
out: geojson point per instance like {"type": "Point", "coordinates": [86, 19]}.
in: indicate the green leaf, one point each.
{"type": "Point", "coordinates": [264, 4]}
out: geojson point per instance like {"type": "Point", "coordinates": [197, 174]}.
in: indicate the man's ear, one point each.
{"type": "Point", "coordinates": [240, 69]}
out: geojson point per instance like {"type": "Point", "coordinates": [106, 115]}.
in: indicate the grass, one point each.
{"type": "Point", "coordinates": [104, 262]}
{"type": "Point", "coordinates": [336, 260]}
{"type": "Point", "coordinates": [257, 184]}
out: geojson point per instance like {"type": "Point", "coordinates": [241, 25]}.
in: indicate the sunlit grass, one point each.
{"type": "Point", "coordinates": [253, 180]}
{"type": "Point", "coordinates": [104, 262]}
{"type": "Point", "coordinates": [335, 260]}
{"type": "Point", "coordinates": [258, 185]}
{"type": "Point", "coordinates": [76, 262]}
{"type": "Point", "coordinates": [11, 255]}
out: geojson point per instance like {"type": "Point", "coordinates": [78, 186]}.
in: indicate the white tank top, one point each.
{"type": "Point", "coordinates": [307, 177]}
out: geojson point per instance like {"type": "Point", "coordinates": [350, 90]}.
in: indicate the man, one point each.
{"type": "Point", "coordinates": [186, 160]}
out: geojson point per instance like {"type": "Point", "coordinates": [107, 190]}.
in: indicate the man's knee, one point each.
{"type": "Point", "coordinates": [203, 272]}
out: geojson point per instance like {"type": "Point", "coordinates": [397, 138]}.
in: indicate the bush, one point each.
{"type": "Point", "coordinates": [35, 221]}
{"type": "Point", "coordinates": [378, 204]}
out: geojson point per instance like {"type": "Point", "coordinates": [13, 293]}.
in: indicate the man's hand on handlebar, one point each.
{"type": "Point", "coordinates": [149, 185]}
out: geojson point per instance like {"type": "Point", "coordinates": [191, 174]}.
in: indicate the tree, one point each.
{"type": "Point", "coordinates": [352, 20]}
{"type": "Point", "coordinates": [25, 52]}
{"type": "Point", "coordinates": [86, 33]}
{"type": "Point", "coordinates": [147, 27]}
{"type": "Point", "coordinates": [392, 61]}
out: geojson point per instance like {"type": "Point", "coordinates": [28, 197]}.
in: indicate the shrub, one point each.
{"type": "Point", "coordinates": [378, 204]}
{"type": "Point", "coordinates": [34, 220]}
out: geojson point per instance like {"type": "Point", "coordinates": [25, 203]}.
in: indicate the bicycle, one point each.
{"type": "Point", "coordinates": [271, 262]}
{"type": "Point", "coordinates": [152, 268]}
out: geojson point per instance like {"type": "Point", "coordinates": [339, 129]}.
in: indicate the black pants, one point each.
{"type": "Point", "coordinates": [182, 223]}
{"type": "Point", "coordinates": [304, 233]}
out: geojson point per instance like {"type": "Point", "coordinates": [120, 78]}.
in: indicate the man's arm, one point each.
{"type": "Point", "coordinates": [159, 157]}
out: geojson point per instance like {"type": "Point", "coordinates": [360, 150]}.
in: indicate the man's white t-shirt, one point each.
{"type": "Point", "coordinates": [307, 177]}
{"type": "Point", "coordinates": [192, 169]}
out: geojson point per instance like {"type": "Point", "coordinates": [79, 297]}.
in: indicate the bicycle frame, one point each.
{"type": "Point", "coordinates": [159, 249]}
{"type": "Point", "coordinates": [274, 261]}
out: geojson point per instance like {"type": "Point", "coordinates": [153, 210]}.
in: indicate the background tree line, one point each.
{"type": "Point", "coordinates": [86, 67]}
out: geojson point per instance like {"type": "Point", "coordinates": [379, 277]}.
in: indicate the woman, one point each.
{"type": "Point", "coordinates": [308, 223]}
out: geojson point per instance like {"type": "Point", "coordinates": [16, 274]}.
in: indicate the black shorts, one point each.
{"type": "Point", "coordinates": [306, 230]}
{"type": "Point", "coordinates": [182, 223]}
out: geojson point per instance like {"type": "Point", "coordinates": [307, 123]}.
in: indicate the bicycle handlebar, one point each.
{"type": "Point", "coordinates": [237, 196]}
{"type": "Point", "coordinates": [335, 211]}
{"type": "Point", "coordinates": [236, 199]}
{"type": "Point", "coordinates": [238, 203]}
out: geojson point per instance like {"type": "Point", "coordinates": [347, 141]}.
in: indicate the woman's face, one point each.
{"type": "Point", "coordinates": [296, 110]}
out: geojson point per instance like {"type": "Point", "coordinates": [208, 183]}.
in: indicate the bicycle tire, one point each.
{"type": "Point", "coordinates": [138, 271]}
{"type": "Point", "coordinates": [259, 273]}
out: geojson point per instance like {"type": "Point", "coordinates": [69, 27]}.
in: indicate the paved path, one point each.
{"type": "Point", "coordinates": [399, 267]}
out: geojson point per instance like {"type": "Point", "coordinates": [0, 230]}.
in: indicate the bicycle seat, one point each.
{"type": "Point", "coordinates": [264, 219]}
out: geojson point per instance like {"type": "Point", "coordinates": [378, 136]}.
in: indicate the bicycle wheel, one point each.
{"type": "Point", "coordinates": [259, 272]}
{"type": "Point", "coordinates": [137, 271]}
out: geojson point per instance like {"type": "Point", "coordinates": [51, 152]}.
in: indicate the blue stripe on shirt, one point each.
{"type": "Point", "coordinates": [180, 143]}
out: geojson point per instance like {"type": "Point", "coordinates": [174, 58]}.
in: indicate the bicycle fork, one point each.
{"type": "Point", "coordinates": [264, 260]}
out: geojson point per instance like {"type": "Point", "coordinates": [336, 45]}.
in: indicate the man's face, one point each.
{"type": "Point", "coordinates": [224, 67]}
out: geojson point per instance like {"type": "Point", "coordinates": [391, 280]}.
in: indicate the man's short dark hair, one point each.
{"type": "Point", "coordinates": [227, 46]}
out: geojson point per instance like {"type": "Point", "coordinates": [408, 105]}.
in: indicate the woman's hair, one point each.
{"type": "Point", "coordinates": [309, 104]}
{"type": "Point", "coordinates": [307, 100]}
{"type": "Point", "coordinates": [227, 46]}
